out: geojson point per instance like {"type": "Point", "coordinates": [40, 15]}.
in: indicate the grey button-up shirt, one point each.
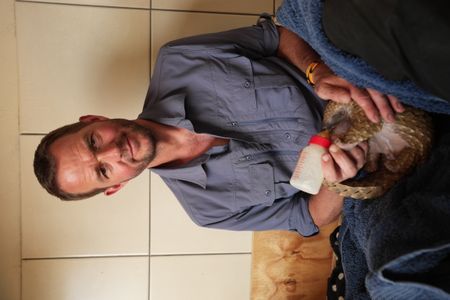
{"type": "Point", "coordinates": [232, 85]}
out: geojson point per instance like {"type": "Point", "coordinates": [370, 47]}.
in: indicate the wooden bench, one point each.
{"type": "Point", "coordinates": [287, 266]}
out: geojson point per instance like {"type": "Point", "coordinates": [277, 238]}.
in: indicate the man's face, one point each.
{"type": "Point", "coordinates": [102, 154]}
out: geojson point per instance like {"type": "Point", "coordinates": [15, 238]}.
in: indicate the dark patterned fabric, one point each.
{"type": "Point", "coordinates": [336, 282]}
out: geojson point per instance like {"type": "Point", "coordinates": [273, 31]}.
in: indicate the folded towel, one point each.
{"type": "Point", "coordinates": [304, 17]}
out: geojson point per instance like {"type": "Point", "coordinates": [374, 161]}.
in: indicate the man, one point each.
{"type": "Point", "coordinates": [223, 123]}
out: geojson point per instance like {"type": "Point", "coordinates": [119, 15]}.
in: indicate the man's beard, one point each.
{"type": "Point", "coordinates": [127, 127]}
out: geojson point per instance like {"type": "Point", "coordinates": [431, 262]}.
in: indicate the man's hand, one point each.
{"type": "Point", "coordinates": [329, 86]}
{"type": "Point", "coordinates": [337, 165]}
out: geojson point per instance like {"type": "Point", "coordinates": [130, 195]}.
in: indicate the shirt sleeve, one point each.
{"type": "Point", "coordinates": [286, 214]}
{"type": "Point", "coordinates": [259, 40]}
{"type": "Point", "coordinates": [207, 210]}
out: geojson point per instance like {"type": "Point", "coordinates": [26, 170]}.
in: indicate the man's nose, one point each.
{"type": "Point", "coordinates": [110, 152]}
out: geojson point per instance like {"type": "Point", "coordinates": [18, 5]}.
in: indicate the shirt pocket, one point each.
{"type": "Point", "coordinates": [262, 184]}
{"type": "Point", "coordinates": [278, 93]}
{"type": "Point", "coordinates": [239, 95]}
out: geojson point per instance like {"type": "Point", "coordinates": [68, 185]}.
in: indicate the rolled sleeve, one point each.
{"type": "Point", "coordinates": [301, 218]}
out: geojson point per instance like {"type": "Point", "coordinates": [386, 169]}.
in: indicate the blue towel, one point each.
{"type": "Point", "coordinates": [396, 246]}
{"type": "Point", "coordinates": [304, 17]}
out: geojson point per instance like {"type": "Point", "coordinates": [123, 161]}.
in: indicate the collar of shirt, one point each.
{"type": "Point", "coordinates": [193, 171]}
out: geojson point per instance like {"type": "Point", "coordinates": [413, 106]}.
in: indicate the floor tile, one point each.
{"type": "Point", "coordinates": [168, 26]}
{"type": "Point", "coordinates": [236, 6]}
{"type": "Point", "coordinates": [112, 3]}
{"type": "Point", "coordinates": [118, 278]}
{"type": "Point", "coordinates": [9, 157]}
{"type": "Point", "coordinates": [218, 277]}
{"type": "Point", "coordinates": [173, 232]}
{"type": "Point", "coordinates": [277, 4]}
{"type": "Point", "coordinates": [77, 60]}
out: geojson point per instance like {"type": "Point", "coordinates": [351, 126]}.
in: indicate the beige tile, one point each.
{"type": "Point", "coordinates": [116, 278]}
{"type": "Point", "coordinates": [112, 3]}
{"type": "Point", "coordinates": [167, 26]}
{"type": "Point", "coordinates": [76, 60]}
{"type": "Point", "coordinates": [173, 232]}
{"type": "Point", "coordinates": [9, 158]}
{"type": "Point", "coordinates": [218, 277]}
{"type": "Point", "coordinates": [277, 4]}
{"type": "Point", "coordinates": [237, 6]}
{"type": "Point", "coordinates": [118, 224]}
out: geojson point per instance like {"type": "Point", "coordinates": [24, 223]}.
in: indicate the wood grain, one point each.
{"type": "Point", "coordinates": [287, 266]}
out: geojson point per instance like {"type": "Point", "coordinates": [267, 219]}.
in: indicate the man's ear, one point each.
{"type": "Point", "coordinates": [113, 189]}
{"type": "Point", "coordinates": [92, 118]}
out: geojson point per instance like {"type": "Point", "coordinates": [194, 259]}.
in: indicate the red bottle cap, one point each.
{"type": "Point", "coordinates": [321, 139]}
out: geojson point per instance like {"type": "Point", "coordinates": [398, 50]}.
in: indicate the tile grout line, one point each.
{"type": "Point", "coordinates": [83, 257]}
{"type": "Point", "coordinates": [198, 254]}
{"type": "Point", "coordinates": [206, 12]}
{"type": "Point", "coordinates": [21, 275]}
{"type": "Point", "coordinates": [85, 5]}
{"type": "Point", "coordinates": [134, 255]}
{"type": "Point", "coordinates": [32, 133]}
{"type": "Point", "coordinates": [142, 8]}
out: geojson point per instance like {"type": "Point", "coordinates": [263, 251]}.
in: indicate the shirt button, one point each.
{"type": "Point", "coordinates": [234, 124]}
{"type": "Point", "coordinates": [287, 136]}
{"type": "Point", "coordinates": [268, 193]}
{"type": "Point", "coordinates": [247, 84]}
{"type": "Point", "coordinates": [248, 157]}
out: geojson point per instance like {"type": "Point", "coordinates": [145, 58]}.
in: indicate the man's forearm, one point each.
{"type": "Point", "coordinates": [325, 207]}
{"type": "Point", "coordinates": [328, 85]}
{"type": "Point", "coordinates": [295, 50]}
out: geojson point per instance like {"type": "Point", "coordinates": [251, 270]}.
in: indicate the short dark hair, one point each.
{"type": "Point", "coordinates": [45, 166]}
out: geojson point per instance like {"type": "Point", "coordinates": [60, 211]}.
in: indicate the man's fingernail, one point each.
{"type": "Point", "coordinates": [376, 118]}
{"type": "Point", "coordinates": [391, 118]}
{"type": "Point", "coordinates": [326, 157]}
{"type": "Point", "coordinates": [333, 148]}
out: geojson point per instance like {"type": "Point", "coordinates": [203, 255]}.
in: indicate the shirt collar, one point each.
{"type": "Point", "coordinates": [193, 171]}
{"type": "Point", "coordinates": [171, 111]}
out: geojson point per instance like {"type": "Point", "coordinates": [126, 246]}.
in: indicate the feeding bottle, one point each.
{"type": "Point", "coordinates": [308, 174]}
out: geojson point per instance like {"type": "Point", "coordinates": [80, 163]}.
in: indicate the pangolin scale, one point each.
{"type": "Point", "coordinates": [394, 148]}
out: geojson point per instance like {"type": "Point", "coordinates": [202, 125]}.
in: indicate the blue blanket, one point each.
{"type": "Point", "coordinates": [304, 17]}
{"type": "Point", "coordinates": [396, 246]}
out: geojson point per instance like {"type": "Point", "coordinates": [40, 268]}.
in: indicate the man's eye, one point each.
{"type": "Point", "coordinates": [103, 171]}
{"type": "Point", "coordinates": [93, 142]}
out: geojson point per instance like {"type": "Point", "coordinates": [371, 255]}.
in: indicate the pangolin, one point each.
{"type": "Point", "coordinates": [394, 148]}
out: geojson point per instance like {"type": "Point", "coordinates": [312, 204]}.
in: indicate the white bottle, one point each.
{"type": "Point", "coordinates": [308, 174]}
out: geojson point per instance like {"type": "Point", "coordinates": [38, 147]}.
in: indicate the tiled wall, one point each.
{"type": "Point", "coordinates": [9, 157]}
{"type": "Point", "coordinates": [80, 57]}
